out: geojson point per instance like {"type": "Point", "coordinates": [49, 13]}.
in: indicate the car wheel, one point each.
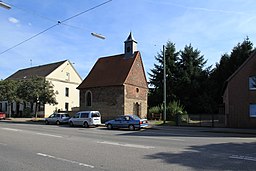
{"type": "Point", "coordinates": [57, 122]}
{"type": "Point", "coordinates": [46, 122]}
{"type": "Point", "coordinates": [109, 126]}
{"type": "Point", "coordinates": [131, 127]}
{"type": "Point", "coordinates": [86, 125]}
{"type": "Point", "coordinates": [71, 124]}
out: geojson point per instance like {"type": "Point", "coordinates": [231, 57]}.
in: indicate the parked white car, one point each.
{"type": "Point", "coordinates": [86, 119]}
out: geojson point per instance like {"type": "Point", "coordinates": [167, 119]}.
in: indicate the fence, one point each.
{"type": "Point", "coordinates": [203, 120]}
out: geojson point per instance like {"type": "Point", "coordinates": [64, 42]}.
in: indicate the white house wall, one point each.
{"type": "Point", "coordinates": [61, 81]}
{"type": "Point", "coordinates": [59, 89]}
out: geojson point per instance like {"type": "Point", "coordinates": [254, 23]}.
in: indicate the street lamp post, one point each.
{"type": "Point", "coordinates": [164, 100]}
{"type": "Point", "coordinates": [4, 5]}
{"type": "Point", "coordinates": [98, 35]}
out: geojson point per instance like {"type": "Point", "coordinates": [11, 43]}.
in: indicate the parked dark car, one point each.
{"type": "Point", "coordinates": [2, 115]}
{"type": "Point", "coordinates": [131, 122]}
{"type": "Point", "coordinates": [57, 118]}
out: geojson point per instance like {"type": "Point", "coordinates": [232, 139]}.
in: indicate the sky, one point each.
{"type": "Point", "coordinates": [214, 27]}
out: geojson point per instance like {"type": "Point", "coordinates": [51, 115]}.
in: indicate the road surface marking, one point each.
{"type": "Point", "coordinates": [159, 138]}
{"type": "Point", "coordinates": [3, 144]}
{"type": "Point", "coordinates": [126, 145]}
{"type": "Point", "coordinates": [243, 157]}
{"type": "Point", "coordinates": [50, 135]}
{"type": "Point", "coordinates": [11, 129]}
{"type": "Point", "coordinates": [64, 160]}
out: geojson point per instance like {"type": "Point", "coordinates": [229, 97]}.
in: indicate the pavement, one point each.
{"type": "Point", "coordinates": [151, 126]}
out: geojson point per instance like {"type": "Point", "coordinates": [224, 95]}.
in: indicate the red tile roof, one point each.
{"type": "Point", "coordinates": [109, 71]}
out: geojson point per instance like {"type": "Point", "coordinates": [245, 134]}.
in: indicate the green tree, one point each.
{"type": "Point", "coordinates": [8, 92]}
{"type": "Point", "coordinates": [156, 75]}
{"type": "Point", "coordinates": [36, 91]}
{"type": "Point", "coordinates": [191, 77]}
{"type": "Point", "coordinates": [226, 67]}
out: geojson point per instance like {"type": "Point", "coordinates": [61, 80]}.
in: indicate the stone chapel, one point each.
{"type": "Point", "coordinates": [116, 85]}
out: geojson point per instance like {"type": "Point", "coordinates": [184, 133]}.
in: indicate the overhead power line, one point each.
{"type": "Point", "coordinates": [58, 23]}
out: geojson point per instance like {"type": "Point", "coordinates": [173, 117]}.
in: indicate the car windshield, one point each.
{"type": "Point", "coordinates": [135, 117]}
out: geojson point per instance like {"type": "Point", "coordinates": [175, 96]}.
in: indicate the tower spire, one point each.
{"type": "Point", "coordinates": [130, 46]}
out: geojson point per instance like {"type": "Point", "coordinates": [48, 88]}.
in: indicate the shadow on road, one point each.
{"type": "Point", "coordinates": [224, 156]}
{"type": "Point", "coordinates": [187, 133]}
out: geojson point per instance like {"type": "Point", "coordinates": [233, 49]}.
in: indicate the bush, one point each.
{"type": "Point", "coordinates": [174, 108]}
{"type": "Point", "coordinates": [155, 110]}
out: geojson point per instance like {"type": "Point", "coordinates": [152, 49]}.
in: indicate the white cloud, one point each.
{"type": "Point", "coordinates": [13, 20]}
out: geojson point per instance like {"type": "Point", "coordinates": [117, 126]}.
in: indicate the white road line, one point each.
{"type": "Point", "coordinates": [50, 135]}
{"type": "Point", "coordinates": [3, 144]}
{"type": "Point", "coordinates": [11, 129]}
{"type": "Point", "coordinates": [126, 145]}
{"type": "Point", "coordinates": [159, 138]}
{"type": "Point", "coordinates": [243, 157]}
{"type": "Point", "coordinates": [65, 160]}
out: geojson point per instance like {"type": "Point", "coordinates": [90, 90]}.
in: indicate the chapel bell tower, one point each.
{"type": "Point", "coordinates": [130, 46]}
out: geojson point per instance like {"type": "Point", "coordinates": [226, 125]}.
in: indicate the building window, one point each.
{"type": "Point", "coordinates": [88, 99]}
{"type": "Point", "coordinates": [252, 110]}
{"type": "Point", "coordinates": [66, 106]}
{"type": "Point", "coordinates": [67, 76]}
{"type": "Point", "coordinates": [137, 90]}
{"type": "Point", "coordinates": [67, 92]}
{"type": "Point", "coordinates": [252, 83]}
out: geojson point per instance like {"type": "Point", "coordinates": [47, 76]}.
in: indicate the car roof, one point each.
{"type": "Point", "coordinates": [89, 111]}
{"type": "Point", "coordinates": [126, 115]}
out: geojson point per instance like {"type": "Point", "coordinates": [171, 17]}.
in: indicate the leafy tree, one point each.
{"type": "Point", "coordinates": [156, 75]}
{"type": "Point", "coordinates": [8, 92]}
{"type": "Point", "coordinates": [37, 91]}
{"type": "Point", "coordinates": [226, 67]}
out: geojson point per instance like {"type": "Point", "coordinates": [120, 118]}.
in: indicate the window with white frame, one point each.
{"type": "Point", "coordinates": [252, 110]}
{"type": "Point", "coordinates": [252, 83]}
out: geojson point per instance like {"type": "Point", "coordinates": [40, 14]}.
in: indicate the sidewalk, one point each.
{"type": "Point", "coordinates": [153, 126]}
{"type": "Point", "coordinates": [22, 120]}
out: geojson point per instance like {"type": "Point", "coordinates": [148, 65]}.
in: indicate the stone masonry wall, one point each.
{"type": "Point", "coordinates": [108, 100]}
{"type": "Point", "coordinates": [135, 96]}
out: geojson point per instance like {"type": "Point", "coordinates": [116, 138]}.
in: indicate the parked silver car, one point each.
{"type": "Point", "coordinates": [57, 118]}
{"type": "Point", "coordinates": [86, 119]}
{"type": "Point", "coordinates": [131, 122]}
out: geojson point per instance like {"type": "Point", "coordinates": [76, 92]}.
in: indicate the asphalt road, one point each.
{"type": "Point", "coordinates": [34, 147]}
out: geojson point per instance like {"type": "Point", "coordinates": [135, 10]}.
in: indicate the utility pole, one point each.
{"type": "Point", "coordinates": [164, 101]}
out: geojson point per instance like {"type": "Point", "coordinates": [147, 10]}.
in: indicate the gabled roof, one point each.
{"type": "Point", "coordinates": [40, 71]}
{"type": "Point", "coordinates": [109, 71]}
{"type": "Point", "coordinates": [253, 55]}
